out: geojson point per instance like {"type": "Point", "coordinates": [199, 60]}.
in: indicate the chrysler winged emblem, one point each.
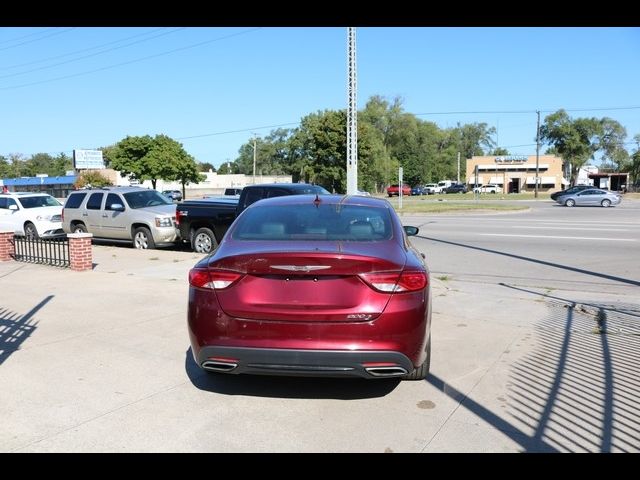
{"type": "Point", "coordinates": [300, 268]}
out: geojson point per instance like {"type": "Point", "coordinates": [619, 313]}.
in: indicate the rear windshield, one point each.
{"type": "Point", "coordinates": [146, 198]}
{"type": "Point", "coordinates": [308, 222]}
{"type": "Point", "coordinates": [40, 201]}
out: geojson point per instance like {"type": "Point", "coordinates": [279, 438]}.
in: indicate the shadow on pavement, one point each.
{"type": "Point", "coordinates": [15, 328]}
{"type": "Point", "coordinates": [286, 387]}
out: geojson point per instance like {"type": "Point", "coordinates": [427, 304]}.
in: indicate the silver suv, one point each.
{"type": "Point", "coordinates": [137, 214]}
{"type": "Point", "coordinates": [31, 214]}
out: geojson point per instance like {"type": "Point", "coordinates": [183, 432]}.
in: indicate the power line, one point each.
{"type": "Point", "coordinates": [528, 111]}
{"type": "Point", "coordinates": [27, 36]}
{"type": "Point", "coordinates": [91, 54]}
{"type": "Point", "coordinates": [238, 131]}
{"type": "Point", "coordinates": [168, 52]}
{"type": "Point", "coordinates": [38, 39]}
{"type": "Point", "coordinates": [80, 51]}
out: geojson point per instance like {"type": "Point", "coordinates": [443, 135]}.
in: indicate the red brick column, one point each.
{"type": "Point", "coordinates": [6, 245]}
{"type": "Point", "coordinates": [80, 253]}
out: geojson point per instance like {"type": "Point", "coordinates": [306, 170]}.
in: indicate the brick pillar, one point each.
{"type": "Point", "coordinates": [6, 245]}
{"type": "Point", "coordinates": [80, 253]}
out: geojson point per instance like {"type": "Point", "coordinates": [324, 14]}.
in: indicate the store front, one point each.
{"type": "Point", "coordinates": [516, 173]}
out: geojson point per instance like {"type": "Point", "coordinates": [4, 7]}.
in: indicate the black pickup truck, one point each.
{"type": "Point", "coordinates": [203, 223]}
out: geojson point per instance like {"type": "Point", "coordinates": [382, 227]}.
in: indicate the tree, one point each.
{"type": "Point", "coordinates": [91, 178]}
{"type": "Point", "coordinates": [205, 167]}
{"type": "Point", "coordinates": [576, 141]}
{"type": "Point", "coordinates": [634, 165]}
{"type": "Point", "coordinates": [611, 143]}
{"type": "Point", "coordinates": [499, 151]}
{"type": "Point", "coordinates": [5, 167]}
{"type": "Point", "coordinates": [146, 158]}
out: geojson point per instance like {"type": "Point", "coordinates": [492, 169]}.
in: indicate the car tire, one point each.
{"type": "Point", "coordinates": [204, 241]}
{"type": "Point", "coordinates": [30, 231]}
{"type": "Point", "coordinates": [421, 372]}
{"type": "Point", "coordinates": [143, 239]}
{"type": "Point", "coordinates": [605, 203]}
{"type": "Point", "coordinates": [79, 228]}
{"type": "Point", "coordinates": [570, 203]}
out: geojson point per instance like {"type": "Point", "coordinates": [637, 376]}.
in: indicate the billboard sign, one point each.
{"type": "Point", "coordinates": [84, 159]}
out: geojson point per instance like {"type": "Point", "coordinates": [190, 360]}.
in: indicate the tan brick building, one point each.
{"type": "Point", "coordinates": [516, 173]}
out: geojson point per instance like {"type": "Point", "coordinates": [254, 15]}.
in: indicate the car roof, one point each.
{"type": "Point", "coordinates": [110, 189]}
{"type": "Point", "coordinates": [25, 194]}
{"type": "Point", "coordinates": [325, 199]}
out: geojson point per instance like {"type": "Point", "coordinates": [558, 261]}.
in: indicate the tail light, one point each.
{"type": "Point", "coordinates": [214, 279]}
{"type": "Point", "coordinates": [408, 281]}
{"type": "Point", "coordinates": [178, 217]}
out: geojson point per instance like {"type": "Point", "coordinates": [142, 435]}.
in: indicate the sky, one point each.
{"type": "Point", "coordinates": [213, 88]}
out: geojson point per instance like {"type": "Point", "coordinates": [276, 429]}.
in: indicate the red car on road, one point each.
{"type": "Point", "coordinates": [310, 285]}
{"type": "Point", "coordinates": [395, 190]}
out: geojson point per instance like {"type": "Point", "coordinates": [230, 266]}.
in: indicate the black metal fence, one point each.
{"type": "Point", "coordinates": [51, 251]}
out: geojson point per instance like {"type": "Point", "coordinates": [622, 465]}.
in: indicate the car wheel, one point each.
{"type": "Point", "coordinates": [570, 203]}
{"type": "Point", "coordinates": [30, 231]}
{"type": "Point", "coordinates": [421, 372]}
{"type": "Point", "coordinates": [142, 238]}
{"type": "Point", "coordinates": [79, 228]}
{"type": "Point", "coordinates": [204, 241]}
{"type": "Point", "coordinates": [605, 203]}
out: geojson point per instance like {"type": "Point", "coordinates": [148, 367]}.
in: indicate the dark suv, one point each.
{"type": "Point", "coordinates": [456, 188]}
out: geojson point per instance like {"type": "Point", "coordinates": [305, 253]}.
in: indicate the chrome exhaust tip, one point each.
{"type": "Point", "coordinates": [214, 366]}
{"type": "Point", "coordinates": [386, 371]}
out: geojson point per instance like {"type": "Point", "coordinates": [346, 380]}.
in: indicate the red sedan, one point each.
{"type": "Point", "coordinates": [310, 285]}
{"type": "Point", "coordinates": [395, 190]}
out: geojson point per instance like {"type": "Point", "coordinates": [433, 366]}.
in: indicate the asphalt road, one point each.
{"type": "Point", "coordinates": [535, 349]}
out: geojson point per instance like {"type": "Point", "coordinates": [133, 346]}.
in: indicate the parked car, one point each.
{"type": "Point", "coordinates": [310, 285]}
{"type": "Point", "coordinates": [591, 196]}
{"type": "Point", "coordinates": [34, 215]}
{"type": "Point", "coordinates": [418, 190]}
{"type": "Point", "coordinates": [568, 191]}
{"type": "Point", "coordinates": [203, 223]}
{"type": "Point", "coordinates": [362, 193]}
{"type": "Point", "coordinates": [432, 188]}
{"type": "Point", "coordinates": [145, 217]}
{"type": "Point", "coordinates": [490, 188]}
{"type": "Point", "coordinates": [232, 191]}
{"type": "Point", "coordinates": [173, 194]}
{"type": "Point", "coordinates": [395, 190]}
{"type": "Point", "coordinates": [456, 188]}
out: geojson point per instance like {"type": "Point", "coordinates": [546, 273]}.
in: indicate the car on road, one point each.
{"type": "Point", "coordinates": [490, 188]}
{"type": "Point", "coordinates": [456, 188]}
{"type": "Point", "coordinates": [133, 214]}
{"type": "Point", "coordinates": [173, 194]}
{"type": "Point", "coordinates": [34, 215]}
{"type": "Point", "coordinates": [590, 197]}
{"type": "Point", "coordinates": [313, 285]}
{"type": "Point", "coordinates": [395, 190]}
{"type": "Point", "coordinates": [568, 191]}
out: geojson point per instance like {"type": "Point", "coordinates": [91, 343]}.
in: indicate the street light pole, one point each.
{"type": "Point", "coordinates": [537, 151]}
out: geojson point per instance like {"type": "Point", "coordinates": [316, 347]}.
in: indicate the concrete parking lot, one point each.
{"type": "Point", "coordinates": [535, 348]}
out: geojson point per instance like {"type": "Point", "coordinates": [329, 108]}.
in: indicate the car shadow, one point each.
{"type": "Point", "coordinates": [286, 387]}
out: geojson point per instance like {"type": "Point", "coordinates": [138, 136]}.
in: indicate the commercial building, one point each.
{"type": "Point", "coordinates": [516, 173]}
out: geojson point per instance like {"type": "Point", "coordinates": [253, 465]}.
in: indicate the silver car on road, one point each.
{"type": "Point", "coordinates": [590, 197]}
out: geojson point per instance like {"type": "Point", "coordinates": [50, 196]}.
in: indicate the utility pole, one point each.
{"type": "Point", "coordinates": [352, 115]}
{"type": "Point", "coordinates": [254, 160]}
{"type": "Point", "coordinates": [537, 152]}
{"type": "Point", "coordinates": [458, 167]}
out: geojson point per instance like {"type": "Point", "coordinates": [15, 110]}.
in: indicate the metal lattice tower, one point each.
{"type": "Point", "coordinates": [352, 116]}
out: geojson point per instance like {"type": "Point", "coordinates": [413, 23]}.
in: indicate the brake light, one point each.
{"type": "Point", "coordinates": [214, 279]}
{"type": "Point", "coordinates": [178, 217]}
{"type": "Point", "coordinates": [396, 283]}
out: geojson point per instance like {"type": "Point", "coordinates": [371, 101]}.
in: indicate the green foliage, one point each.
{"type": "Point", "coordinates": [146, 158]}
{"type": "Point", "coordinates": [91, 178]}
{"type": "Point", "coordinates": [205, 167]}
{"type": "Point", "coordinates": [634, 164]}
{"type": "Point", "coordinates": [499, 151]}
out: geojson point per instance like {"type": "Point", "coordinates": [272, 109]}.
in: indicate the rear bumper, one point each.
{"type": "Point", "coordinates": [307, 363]}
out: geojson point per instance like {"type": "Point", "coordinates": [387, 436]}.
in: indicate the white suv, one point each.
{"type": "Point", "coordinates": [33, 215]}
{"type": "Point", "coordinates": [488, 189]}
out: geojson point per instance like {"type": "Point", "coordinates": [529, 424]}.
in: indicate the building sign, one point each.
{"type": "Point", "coordinates": [83, 159]}
{"type": "Point", "coordinates": [512, 159]}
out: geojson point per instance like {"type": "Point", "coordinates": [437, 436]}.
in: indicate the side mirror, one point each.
{"type": "Point", "coordinates": [411, 231]}
{"type": "Point", "coordinates": [13, 207]}
{"type": "Point", "coordinates": [118, 207]}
